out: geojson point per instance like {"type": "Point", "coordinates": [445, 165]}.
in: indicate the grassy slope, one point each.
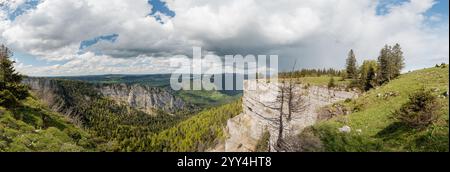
{"type": "Point", "coordinates": [379, 131]}
{"type": "Point", "coordinates": [33, 127]}
{"type": "Point", "coordinates": [207, 98]}
{"type": "Point", "coordinates": [322, 80]}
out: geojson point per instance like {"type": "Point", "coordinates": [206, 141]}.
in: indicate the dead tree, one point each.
{"type": "Point", "coordinates": [289, 103]}
{"type": "Point", "coordinates": [292, 101]}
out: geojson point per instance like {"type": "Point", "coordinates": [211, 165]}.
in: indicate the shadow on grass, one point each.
{"type": "Point", "coordinates": [32, 115]}
{"type": "Point", "coordinates": [416, 140]}
{"type": "Point", "coordinates": [393, 131]}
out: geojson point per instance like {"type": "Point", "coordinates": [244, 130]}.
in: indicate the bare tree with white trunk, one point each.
{"type": "Point", "coordinates": [289, 103]}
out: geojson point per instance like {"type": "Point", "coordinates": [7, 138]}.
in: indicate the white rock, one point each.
{"type": "Point", "coordinates": [345, 129]}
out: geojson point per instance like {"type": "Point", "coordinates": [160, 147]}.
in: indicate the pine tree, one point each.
{"type": "Point", "coordinates": [368, 74]}
{"type": "Point", "coordinates": [351, 66]}
{"type": "Point", "coordinates": [391, 63]}
{"type": "Point", "coordinates": [398, 60]}
{"type": "Point", "coordinates": [7, 71]}
{"type": "Point", "coordinates": [385, 65]}
{"type": "Point", "coordinates": [11, 88]}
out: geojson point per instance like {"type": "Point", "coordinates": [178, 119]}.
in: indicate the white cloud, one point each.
{"type": "Point", "coordinates": [89, 64]}
{"type": "Point", "coordinates": [318, 33]}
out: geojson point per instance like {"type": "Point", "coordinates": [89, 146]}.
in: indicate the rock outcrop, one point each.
{"type": "Point", "coordinates": [246, 129]}
{"type": "Point", "coordinates": [143, 97]}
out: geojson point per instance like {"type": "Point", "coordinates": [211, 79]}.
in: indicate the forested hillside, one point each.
{"type": "Point", "coordinates": [199, 133]}
{"type": "Point", "coordinates": [69, 115]}
{"type": "Point", "coordinates": [117, 124]}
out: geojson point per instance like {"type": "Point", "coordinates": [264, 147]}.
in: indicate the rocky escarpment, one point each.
{"type": "Point", "coordinates": [245, 130]}
{"type": "Point", "coordinates": [144, 98]}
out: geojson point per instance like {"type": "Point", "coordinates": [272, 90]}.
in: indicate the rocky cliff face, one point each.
{"type": "Point", "coordinates": [145, 98]}
{"type": "Point", "coordinates": [245, 130]}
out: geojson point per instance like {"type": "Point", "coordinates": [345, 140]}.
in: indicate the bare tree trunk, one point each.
{"type": "Point", "coordinates": [280, 131]}
{"type": "Point", "coordinates": [280, 120]}
{"type": "Point", "coordinates": [290, 98]}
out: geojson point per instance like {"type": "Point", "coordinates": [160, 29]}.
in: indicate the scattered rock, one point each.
{"type": "Point", "coordinates": [445, 94]}
{"type": "Point", "coordinates": [333, 111]}
{"type": "Point", "coordinates": [388, 95]}
{"type": "Point", "coordinates": [379, 95]}
{"type": "Point", "coordinates": [345, 129]}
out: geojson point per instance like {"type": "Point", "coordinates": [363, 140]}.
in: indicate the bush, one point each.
{"type": "Point", "coordinates": [20, 91]}
{"type": "Point", "coordinates": [420, 111]}
{"type": "Point", "coordinates": [331, 83]}
{"type": "Point", "coordinates": [354, 84]}
{"type": "Point", "coordinates": [73, 133]}
{"type": "Point", "coordinates": [7, 99]}
{"type": "Point", "coordinates": [306, 141]}
{"type": "Point", "coordinates": [263, 143]}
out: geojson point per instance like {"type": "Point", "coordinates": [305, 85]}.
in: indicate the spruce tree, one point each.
{"type": "Point", "coordinates": [11, 88]}
{"type": "Point", "coordinates": [390, 62]}
{"type": "Point", "coordinates": [385, 65]}
{"type": "Point", "coordinates": [397, 60]}
{"type": "Point", "coordinates": [351, 66]}
{"type": "Point", "coordinates": [368, 74]}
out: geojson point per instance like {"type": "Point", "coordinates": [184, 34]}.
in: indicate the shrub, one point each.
{"type": "Point", "coordinates": [20, 91]}
{"type": "Point", "coordinates": [73, 133]}
{"type": "Point", "coordinates": [306, 141]}
{"type": "Point", "coordinates": [354, 84]}
{"type": "Point", "coordinates": [420, 111]}
{"type": "Point", "coordinates": [263, 143]}
{"type": "Point", "coordinates": [331, 83]}
{"type": "Point", "coordinates": [7, 99]}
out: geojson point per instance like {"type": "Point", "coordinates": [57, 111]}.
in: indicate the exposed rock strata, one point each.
{"type": "Point", "coordinates": [246, 129]}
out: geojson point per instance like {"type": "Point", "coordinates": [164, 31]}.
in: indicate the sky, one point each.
{"type": "Point", "coordinates": [92, 37]}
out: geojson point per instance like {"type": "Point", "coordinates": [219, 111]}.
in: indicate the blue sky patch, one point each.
{"type": "Point", "coordinates": [28, 59]}
{"type": "Point", "coordinates": [22, 9]}
{"type": "Point", "coordinates": [159, 6]}
{"type": "Point", "coordinates": [441, 7]}
{"type": "Point", "coordinates": [90, 42]}
{"type": "Point", "coordinates": [384, 6]}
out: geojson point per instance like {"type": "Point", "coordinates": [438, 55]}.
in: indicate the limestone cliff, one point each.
{"type": "Point", "coordinates": [144, 98]}
{"type": "Point", "coordinates": [246, 129]}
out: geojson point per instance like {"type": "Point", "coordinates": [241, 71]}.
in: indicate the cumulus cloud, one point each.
{"type": "Point", "coordinates": [316, 33]}
{"type": "Point", "coordinates": [91, 64]}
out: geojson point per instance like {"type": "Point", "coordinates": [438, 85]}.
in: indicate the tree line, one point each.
{"type": "Point", "coordinates": [312, 73]}
{"type": "Point", "coordinates": [372, 73]}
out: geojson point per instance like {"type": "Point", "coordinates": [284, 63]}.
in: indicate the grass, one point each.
{"type": "Point", "coordinates": [33, 127]}
{"type": "Point", "coordinates": [377, 130]}
{"type": "Point", "coordinates": [322, 81]}
{"type": "Point", "coordinates": [207, 98]}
